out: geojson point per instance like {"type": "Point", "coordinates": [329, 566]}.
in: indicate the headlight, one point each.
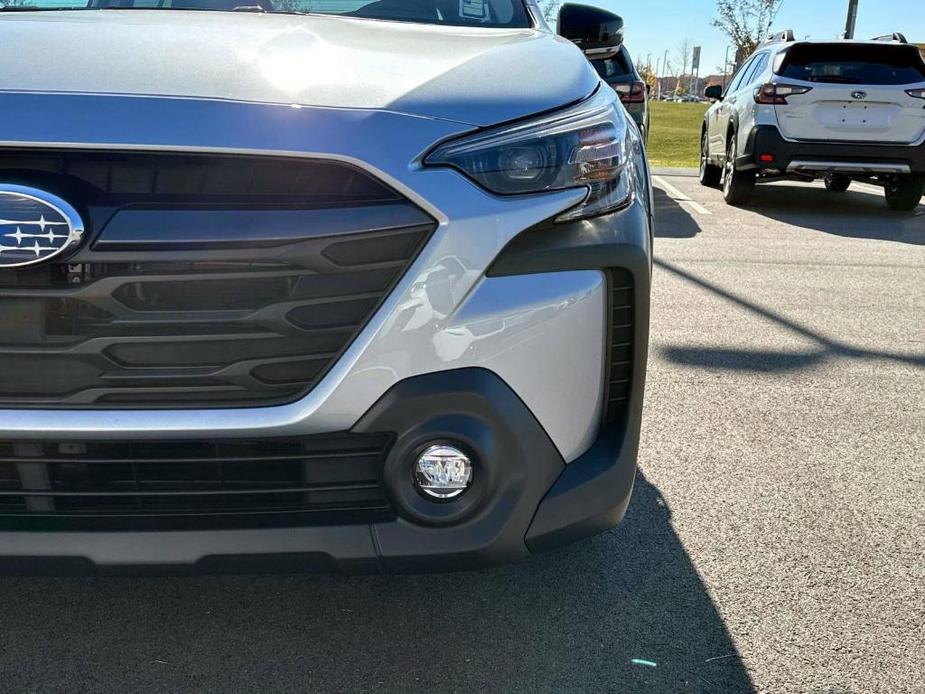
{"type": "Point", "coordinates": [588, 145]}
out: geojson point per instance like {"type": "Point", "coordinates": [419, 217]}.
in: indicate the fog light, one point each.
{"type": "Point", "coordinates": [443, 472]}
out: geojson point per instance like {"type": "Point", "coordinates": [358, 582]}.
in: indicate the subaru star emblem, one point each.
{"type": "Point", "coordinates": [858, 95]}
{"type": "Point", "coordinates": [35, 226]}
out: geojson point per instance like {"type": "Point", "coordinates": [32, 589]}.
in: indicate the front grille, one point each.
{"type": "Point", "coordinates": [119, 177]}
{"type": "Point", "coordinates": [620, 356]}
{"type": "Point", "coordinates": [122, 485]}
{"type": "Point", "coordinates": [206, 280]}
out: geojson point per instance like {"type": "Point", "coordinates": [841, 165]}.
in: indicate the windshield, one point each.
{"type": "Point", "coordinates": [478, 13]}
{"type": "Point", "coordinates": [615, 68]}
{"type": "Point", "coordinates": [848, 63]}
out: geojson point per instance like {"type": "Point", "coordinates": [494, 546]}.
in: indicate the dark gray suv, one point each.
{"type": "Point", "coordinates": [621, 74]}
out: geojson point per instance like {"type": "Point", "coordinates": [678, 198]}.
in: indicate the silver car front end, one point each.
{"type": "Point", "coordinates": [547, 337]}
{"type": "Point", "coordinates": [489, 322]}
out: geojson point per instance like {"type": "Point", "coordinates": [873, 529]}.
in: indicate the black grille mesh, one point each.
{"type": "Point", "coordinates": [620, 363]}
{"type": "Point", "coordinates": [233, 326]}
{"type": "Point", "coordinates": [192, 484]}
{"type": "Point", "coordinates": [183, 333]}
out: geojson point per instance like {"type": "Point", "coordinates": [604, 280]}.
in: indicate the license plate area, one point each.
{"type": "Point", "coordinates": [847, 115]}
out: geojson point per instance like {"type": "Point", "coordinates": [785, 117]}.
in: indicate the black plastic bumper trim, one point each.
{"type": "Point", "coordinates": [329, 548]}
{"type": "Point", "coordinates": [593, 492]}
{"type": "Point", "coordinates": [767, 139]}
{"type": "Point", "coordinates": [516, 464]}
{"type": "Point", "coordinates": [622, 239]}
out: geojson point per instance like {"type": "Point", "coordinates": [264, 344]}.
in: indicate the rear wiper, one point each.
{"type": "Point", "coordinates": [833, 79]}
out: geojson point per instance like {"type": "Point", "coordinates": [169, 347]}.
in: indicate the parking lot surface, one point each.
{"type": "Point", "coordinates": [774, 543]}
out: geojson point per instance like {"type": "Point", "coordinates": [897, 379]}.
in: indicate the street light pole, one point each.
{"type": "Point", "coordinates": [726, 67]}
{"type": "Point", "coordinates": [852, 20]}
{"type": "Point", "coordinates": [658, 78]}
{"type": "Point", "coordinates": [665, 68]}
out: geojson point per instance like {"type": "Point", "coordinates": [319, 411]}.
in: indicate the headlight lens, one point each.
{"type": "Point", "coordinates": [588, 145]}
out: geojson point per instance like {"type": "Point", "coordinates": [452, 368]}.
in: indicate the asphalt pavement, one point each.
{"type": "Point", "coordinates": [775, 542]}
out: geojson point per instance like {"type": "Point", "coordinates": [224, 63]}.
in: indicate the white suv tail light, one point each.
{"type": "Point", "coordinates": [776, 94]}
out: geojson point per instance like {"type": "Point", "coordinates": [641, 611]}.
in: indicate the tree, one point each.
{"type": "Point", "coordinates": [746, 22]}
{"type": "Point", "coordinates": [550, 10]}
{"type": "Point", "coordinates": [292, 6]}
{"type": "Point", "coordinates": [648, 75]}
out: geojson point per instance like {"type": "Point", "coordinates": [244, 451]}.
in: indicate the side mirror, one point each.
{"type": "Point", "coordinates": [714, 91]}
{"type": "Point", "coordinates": [597, 32]}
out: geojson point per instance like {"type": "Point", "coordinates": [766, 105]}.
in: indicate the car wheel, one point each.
{"type": "Point", "coordinates": [905, 192]}
{"type": "Point", "coordinates": [710, 174]}
{"type": "Point", "coordinates": [737, 185]}
{"type": "Point", "coordinates": [837, 183]}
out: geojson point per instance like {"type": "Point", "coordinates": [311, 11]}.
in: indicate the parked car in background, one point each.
{"type": "Point", "coordinates": [620, 73]}
{"type": "Point", "coordinates": [838, 111]}
{"type": "Point", "coordinates": [321, 289]}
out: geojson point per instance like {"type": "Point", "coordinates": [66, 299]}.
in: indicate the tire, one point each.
{"type": "Point", "coordinates": [738, 186]}
{"type": "Point", "coordinates": [710, 174]}
{"type": "Point", "coordinates": [837, 183]}
{"type": "Point", "coordinates": [905, 193]}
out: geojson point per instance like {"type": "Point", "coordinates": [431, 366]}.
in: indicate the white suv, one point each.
{"type": "Point", "coordinates": [841, 111]}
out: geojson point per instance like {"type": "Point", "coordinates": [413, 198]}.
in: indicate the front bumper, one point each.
{"type": "Point", "coordinates": [469, 345]}
{"type": "Point", "coordinates": [833, 156]}
{"type": "Point", "coordinates": [529, 497]}
{"type": "Point", "coordinates": [524, 499]}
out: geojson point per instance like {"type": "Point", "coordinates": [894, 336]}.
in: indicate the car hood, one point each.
{"type": "Point", "coordinates": [473, 76]}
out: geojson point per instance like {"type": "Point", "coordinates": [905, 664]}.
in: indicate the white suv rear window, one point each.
{"type": "Point", "coordinates": [848, 63]}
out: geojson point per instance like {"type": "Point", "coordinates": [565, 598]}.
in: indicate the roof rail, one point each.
{"type": "Point", "coordinates": [784, 36]}
{"type": "Point", "coordinates": [895, 36]}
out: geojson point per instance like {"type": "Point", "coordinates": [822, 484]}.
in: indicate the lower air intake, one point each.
{"type": "Point", "coordinates": [125, 485]}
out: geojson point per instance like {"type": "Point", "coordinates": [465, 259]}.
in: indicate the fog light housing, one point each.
{"type": "Point", "coordinates": [442, 472]}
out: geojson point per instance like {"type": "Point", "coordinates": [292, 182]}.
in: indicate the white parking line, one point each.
{"type": "Point", "coordinates": [678, 196]}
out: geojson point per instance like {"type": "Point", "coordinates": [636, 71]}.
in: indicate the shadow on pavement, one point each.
{"type": "Point", "coordinates": [769, 361]}
{"type": "Point", "coordinates": [764, 361]}
{"type": "Point", "coordinates": [856, 214]}
{"type": "Point", "coordinates": [671, 220]}
{"type": "Point", "coordinates": [572, 620]}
